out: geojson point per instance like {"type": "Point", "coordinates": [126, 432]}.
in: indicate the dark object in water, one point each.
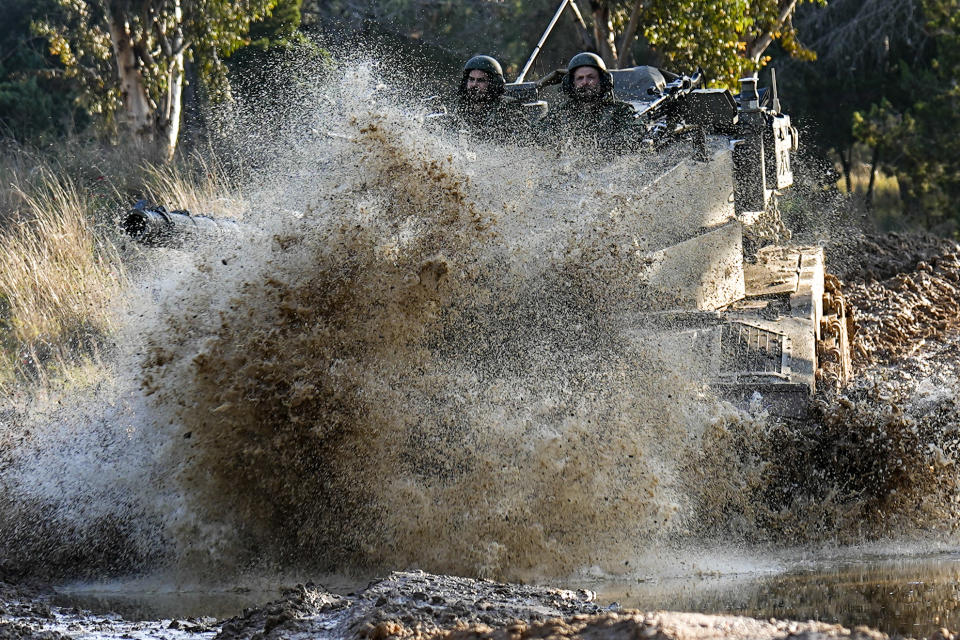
{"type": "Point", "coordinates": [154, 226]}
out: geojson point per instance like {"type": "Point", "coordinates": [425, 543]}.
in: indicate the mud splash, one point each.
{"type": "Point", "coordinates": [427, 368]}
{"type": "Point", "coordinates": [878, 458]}
{"type": "Point", "coordinates": [424, 357]}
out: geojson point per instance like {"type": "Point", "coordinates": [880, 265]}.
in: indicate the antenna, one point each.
{"type": "Point", "coordinates": [546, 34]}
{"type": "Point", "coordinates": [773, 84]}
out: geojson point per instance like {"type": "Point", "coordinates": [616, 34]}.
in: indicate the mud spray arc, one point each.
{"type": "Point", "coordinates": [420, 359]}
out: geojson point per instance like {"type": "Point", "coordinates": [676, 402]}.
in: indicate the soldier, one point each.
{"type": "Point", "coordinates": [481, 107]}
{"type": "Point", "coordinates": [590, 116]}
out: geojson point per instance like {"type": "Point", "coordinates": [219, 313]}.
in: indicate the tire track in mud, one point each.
{"type": "Point", "coordinates": [905, 292]}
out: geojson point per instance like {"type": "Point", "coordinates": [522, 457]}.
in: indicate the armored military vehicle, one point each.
{"type": "Point", "coordinates": [723, 284]}
{"type": "Point", "coordinates": [718, 281]}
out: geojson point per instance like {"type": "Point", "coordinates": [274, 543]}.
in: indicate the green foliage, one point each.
{"type": "Point", "coordinates": [689, 33]}
{"type": "Point", "coordinates": [271, 38]}
{"type": "Point", "coordinates": [34, 103]}
{"type": "Point", "coordinates": [85, 53]}
{"type": "Point", "coordinates": [724, 38]}
{"type": "Point", "coordinates": [914, 127]}
{"type": "Point", "coordinates": [280, 29]}
{"type": "Point", "coordinates": [218, 28]}
{"type": "Point", "coordinates": [90, 37]}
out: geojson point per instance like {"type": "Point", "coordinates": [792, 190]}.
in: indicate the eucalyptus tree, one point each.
{"type": "Point", "coordinates": [128, 56]}
{"type": "Point", "coordinates": [728, 39]}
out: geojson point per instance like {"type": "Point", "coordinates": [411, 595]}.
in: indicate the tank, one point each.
{"type": "Point", "coordinates": [718, 281]}
{"type": "Point", "coordinates": [723, 285]}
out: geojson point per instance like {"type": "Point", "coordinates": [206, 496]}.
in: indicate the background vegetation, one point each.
{"type": "Point", "coordinates": [105, 101]}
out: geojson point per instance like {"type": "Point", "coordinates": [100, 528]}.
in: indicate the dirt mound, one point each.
{"type": "Point", "coordinates": [904, 291]}
{"type": "Point", "coordinates": [662, 626]}
{"type": "Point", "coordinates": [859, 258]}
{"type": "Point", "coordinates": [417, 605]}
{"type": "Point", "coordinates": [406, 604]}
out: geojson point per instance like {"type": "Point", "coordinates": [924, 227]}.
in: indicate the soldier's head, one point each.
{"type": "Point", "coordinates": [482, 80]}
{"type": "Point", "coordinates": [587, 78]}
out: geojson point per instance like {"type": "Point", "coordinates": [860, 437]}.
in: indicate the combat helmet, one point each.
{"type": "Point", "coordinates": [587, 59]}
{"type": "Point", "coordinates": [491, 67]}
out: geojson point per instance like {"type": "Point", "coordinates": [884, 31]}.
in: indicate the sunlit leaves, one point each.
{"type": "Point", "coordinates": [725, 38]}
{"type": "Point", "coordinates": [159, 32]}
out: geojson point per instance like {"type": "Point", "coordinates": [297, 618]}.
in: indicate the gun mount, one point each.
{"type": "Point", "coordinates": [724, 285]}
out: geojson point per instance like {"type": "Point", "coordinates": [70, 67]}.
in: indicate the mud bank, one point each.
{"type": "Point", "coordinates": [903, 289]}
{"type": "Point", "coordinates": [414, 605]}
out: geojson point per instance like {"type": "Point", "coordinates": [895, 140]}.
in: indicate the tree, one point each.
{"type": "Point", "coordinates": [128, 56]}
{"type": "Point", "coordinates": [728, 39]}
{"type": "Point", "coordinates": [917, 126]}
{"type": "Point", "coordinates": [862, 47]}
{"type": "Point", "coordinates": [35, 101]}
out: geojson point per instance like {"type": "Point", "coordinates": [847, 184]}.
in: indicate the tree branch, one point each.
{"type": "Point", "coordinates": [602, 34]}
{"type": "Point", "coordinates": [759, 44]}
{"type": "Point", "coordinates": [626, 42]}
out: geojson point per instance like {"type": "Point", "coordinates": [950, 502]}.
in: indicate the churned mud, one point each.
{"type": "Point", "coordinates": [427, 360]}
{"type": "Point", "coordinates": [415, 605]}
{"type": "Point", "coordinates": [905, 290]}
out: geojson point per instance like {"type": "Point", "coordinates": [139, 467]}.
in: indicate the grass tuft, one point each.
{"type": "Point", "coordinates": [58, 278]}
{"type": "Point", "coordinates": [204, 188]}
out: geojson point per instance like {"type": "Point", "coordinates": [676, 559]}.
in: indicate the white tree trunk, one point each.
{"type": "Point", "coordinates": [170, 126]}
{"type": "Point", "coordinates": [172, 109]}
{"type": "Point", "coordinates": [136, 103]}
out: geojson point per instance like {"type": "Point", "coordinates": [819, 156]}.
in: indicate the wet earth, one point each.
{"type": "Point", "coordinates": [904, 292]}
{"type": "Point", "coordinates": [412, 605]}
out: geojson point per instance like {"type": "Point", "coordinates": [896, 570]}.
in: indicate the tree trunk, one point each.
{"type": "Point", "coordinates": [626, 42]}
{"type": "Point", "coordinates": [846, 165]}
{"type": "Point", "coordinates": [169, 127]}
{"type": "Point", "coordinates": [168, 120]}
{"type": "Point", "coordinates": [603, 33]}
{"type": "Point", "coordinates": [584, 36]}
{"type": "Point", "coordinates": [138, 110]}
{"type": "Point", "coordinates": [873, 174]}
{"type": "Point", "coordinates": [759, 44]}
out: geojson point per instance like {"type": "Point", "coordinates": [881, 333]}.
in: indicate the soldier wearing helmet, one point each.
{"type": "Point", "coordinates": [481, 106]}
{"type": "Point", "coordinates": [589, 115]}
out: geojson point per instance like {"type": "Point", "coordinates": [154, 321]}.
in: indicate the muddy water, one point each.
{"type": "Point", "coordinates": [423, 358]}
{"type": "Point", "coordinates": [913, 593]}
{"type": "Point", "coordinates": [912, 596]}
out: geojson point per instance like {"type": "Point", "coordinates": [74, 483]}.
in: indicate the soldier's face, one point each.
{"type": "Point", "coordinates": [586, 81]}
{"type": "Point", "coordinates": [478, 84]}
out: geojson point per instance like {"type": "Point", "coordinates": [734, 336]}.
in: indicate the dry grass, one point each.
{"type": "Point", "coordinates": [203, 188]}
{"type": "Point", "coordinates": [886, 209]}
{"type": "Point", "coordinates": [60, 272]}
{"type": "Point", "coordinates": [57, 278]}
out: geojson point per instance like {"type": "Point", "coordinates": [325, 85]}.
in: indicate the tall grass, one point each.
{"type": "Point", "coordinates": [199, 185]}
{"type": "Point", "coordinates": [58, 278]}
{"type": "Point", "coordinates": [885, 210]}
{"type": "Point", "coordinates": [60, 269]}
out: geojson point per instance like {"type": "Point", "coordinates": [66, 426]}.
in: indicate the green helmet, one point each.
{"type": "Point", "coordinates": [488, 65]}
{"type": "Point", "coordinates": [484, 63]}
{"type": "Point", "coordinates": [587, 59]}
